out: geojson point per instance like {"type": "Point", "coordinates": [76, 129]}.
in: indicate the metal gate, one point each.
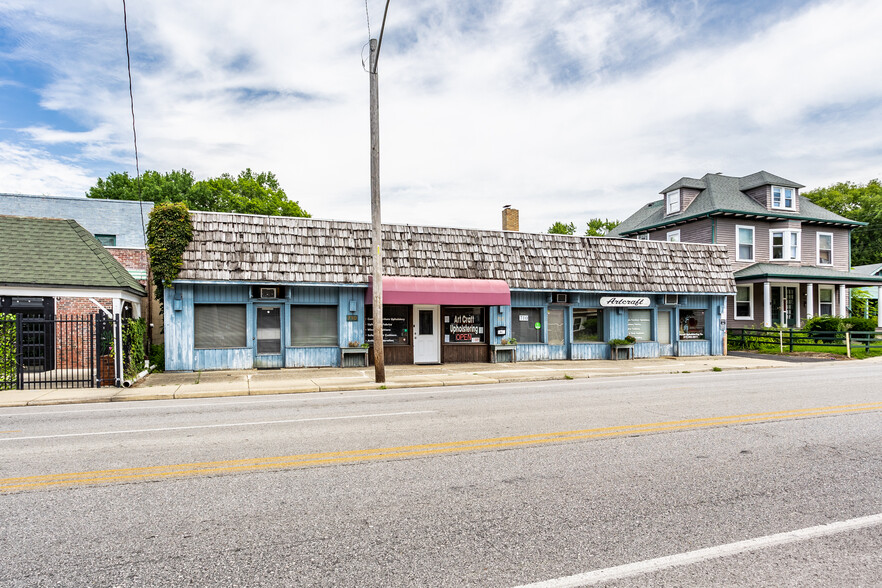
{"type": "Point", "coordinates": [39, 352]}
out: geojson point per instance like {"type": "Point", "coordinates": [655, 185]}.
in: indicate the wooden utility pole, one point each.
{"type": "Point", "coordinates": [377, 228]}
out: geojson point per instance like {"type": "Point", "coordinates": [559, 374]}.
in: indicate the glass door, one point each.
{"type": "Point", "coordinates": [268, 344]}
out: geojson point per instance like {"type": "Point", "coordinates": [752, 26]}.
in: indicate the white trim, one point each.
{"type": "Point", "coordinates": [809, 301]}
{"type": "Point", "coordinates": [749, 300]}
{"type": "Point", "coordinates": [675, 234]}
{"type": "Point", "coordinates": [818, 248]}
{"type": "Point", "coordinates": [752, 230]}
{"type": "Point", "coordinates": [783, 199]}
{"type": "Point", "coordinates": [669, 201]}
{"type": "Point", "coordinates": [785, 240]}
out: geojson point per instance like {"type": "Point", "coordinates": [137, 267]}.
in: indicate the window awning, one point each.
{"type": "Point", "coordinates": [449, 291]}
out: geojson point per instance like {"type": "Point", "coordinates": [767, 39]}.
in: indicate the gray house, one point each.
{"type": "Point", "coordinates": [258, 291]}
{"type": "Point", "coordinates": [791, 257]}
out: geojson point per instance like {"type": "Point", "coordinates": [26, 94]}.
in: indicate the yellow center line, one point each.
{"type": "Point", "coordinates": [361, 455]}
{"type": "Point", "coordinates": [19, 431]}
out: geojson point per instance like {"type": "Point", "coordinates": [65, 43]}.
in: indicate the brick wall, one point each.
{"type": "Point", "coordinates": [80, 306]}
{"type": "Point", "coordinates": [131, 259]}
{"type": "Point", "coordinates": [74, 337]}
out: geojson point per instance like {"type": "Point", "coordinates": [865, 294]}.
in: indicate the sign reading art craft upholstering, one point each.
{"type": "Point", "coordinates": [625, 301]}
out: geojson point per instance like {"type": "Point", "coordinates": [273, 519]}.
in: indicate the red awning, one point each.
{"type": "Point", "coordinates": [449, 291]}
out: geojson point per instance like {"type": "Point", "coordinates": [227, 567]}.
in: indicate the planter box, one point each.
{"type": "Point", "coordinates": [629, 351]}
{"type": "Point", "coordinates": [503, 353]}
{"type": "Point", "coordinates": [353, 357]}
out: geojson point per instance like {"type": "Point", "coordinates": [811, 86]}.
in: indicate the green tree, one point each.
{"type": "Point", "coordinates": [560, 228]}
{"type": "Point", "coordinates": [599, 228]}
{"type": "Point", "coordinates": [246, 193]}
{"type": "Point", "coordinates": [860, 202]}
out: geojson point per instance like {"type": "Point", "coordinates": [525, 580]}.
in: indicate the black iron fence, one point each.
{"type": "Point", "coordinates": [59, 352]}
{"type": "Point", "coordinates": [800, 340]}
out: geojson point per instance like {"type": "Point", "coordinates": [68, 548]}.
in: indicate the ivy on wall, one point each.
{"type": "Point", "coordinates": [7, 351]}
{"type": "Point", "coordinates": [169, 232]}
{"type": "Point", "coordinates": [134, 336]}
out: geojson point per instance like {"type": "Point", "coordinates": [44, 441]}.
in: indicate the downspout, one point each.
{"type": "Point", "coordinates": [713, 228]}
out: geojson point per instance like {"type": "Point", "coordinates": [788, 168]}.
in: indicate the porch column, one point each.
{"type": "Point", "coordinates": [767, 304]}
{"type": "Point", "coordinates": [842, 301]}
{"type": "Point", "coordinates": [878, 306]}
{"type": "Point", "coordinates": [809, 301]}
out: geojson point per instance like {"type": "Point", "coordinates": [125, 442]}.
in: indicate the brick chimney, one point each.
{"type": "Point", "coordinates": [510, 218]}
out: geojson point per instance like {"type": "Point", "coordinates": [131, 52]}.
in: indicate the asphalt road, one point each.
{"type": "Point", "coordinates": [678, 480]}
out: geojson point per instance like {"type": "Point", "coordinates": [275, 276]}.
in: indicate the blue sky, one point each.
{"type": "Point", "coordinates": [565, 110]}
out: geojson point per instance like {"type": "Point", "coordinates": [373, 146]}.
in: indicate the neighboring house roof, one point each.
{"type": "Point", "coordinates": [725, 195]}
{"type": "Point", "coordinates": [873, 269]}
{"type": "Point", "coordinates": [57, 253]}
{"type": "Point", "coordinates": [804, 272]}
{"type": "Point", "coordinates": [247, 248]}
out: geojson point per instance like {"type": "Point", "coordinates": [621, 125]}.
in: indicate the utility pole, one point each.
{"type": "Point", "coordinates": [377, 228]}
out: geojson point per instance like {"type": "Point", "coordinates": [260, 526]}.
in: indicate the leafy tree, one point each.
{"type": "Point", "coordinates": [860, 202]}
{"type": "Point", "coordinates": [599, 228]}
{"type": "Point", "coordinates": [247, 193]}
{"type": "Point", "coordinates": [560, 228]}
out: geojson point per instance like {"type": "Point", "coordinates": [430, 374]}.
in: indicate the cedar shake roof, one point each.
{"type": "Point", "coordinates": [57, 253]}
{"type": "Point", "coordinates": [725, 195]}
{"type": "Point", "coordinates": [274, 249]}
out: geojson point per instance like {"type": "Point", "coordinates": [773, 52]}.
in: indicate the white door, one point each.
{"type": "Point", "coordinates": [426, 334]}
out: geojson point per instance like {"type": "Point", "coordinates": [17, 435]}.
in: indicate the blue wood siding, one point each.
{"type": "Point", "coordinates": [179, 329]}
{"type": "Point", "coordinates": [222, 359]}
{"type": "Point", "coordinates": [312, 356]}
{"type": "Point", "coordinates": [532, 352]}
{"type": "Point", "coordinates": [591, 351]}
{"type": "Point", "coordinates": [499, 316]}
{"type": "Point", "coordinates": [208, 293]}
{"type": "Point", "coordinates": [693, 348]}
{"type": "Point", "coordinates": [646, 349]}
{"type": "Point", "coordinates": [315, 294]}
{"type": "Point", "coordinates": [350, 330]}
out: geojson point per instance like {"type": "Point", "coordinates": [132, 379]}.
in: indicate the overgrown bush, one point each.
{"type": "Point", "coordinates": [134, 336]}
{"type": "Point", "coordinates": [157, 357]}
{"type": "Point", "coordinates": [7, 351]}
{"type": "Point", "coordinates": [169, 232]}
{"type": "Point", "coordinates": [857, 323]}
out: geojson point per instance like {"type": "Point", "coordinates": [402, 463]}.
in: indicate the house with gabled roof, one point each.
{"type": "Point", "coordinates": [791, 257]}
{"type": "Point", "coordinates": [267, 291]}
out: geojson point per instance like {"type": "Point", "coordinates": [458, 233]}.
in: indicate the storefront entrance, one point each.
{"type": "Point", "coordinates": [268, 329]}
{"type": "Point", "coordinates": [426, 334]}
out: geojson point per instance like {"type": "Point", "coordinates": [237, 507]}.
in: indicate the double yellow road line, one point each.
{"type": "Point", "coordinates": [361, 455]}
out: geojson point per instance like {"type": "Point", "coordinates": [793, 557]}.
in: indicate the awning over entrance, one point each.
{"type": "Point", "coordinates": [449, 291]}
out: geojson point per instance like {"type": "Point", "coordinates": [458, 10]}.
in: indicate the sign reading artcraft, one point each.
{"type": "Point", "coordinates": [625, 301]}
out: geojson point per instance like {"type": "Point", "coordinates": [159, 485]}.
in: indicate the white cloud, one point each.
{"type": "Point", "coordinates": [564, 110]}
{"type": "Point", "coordinates": [32, 171]}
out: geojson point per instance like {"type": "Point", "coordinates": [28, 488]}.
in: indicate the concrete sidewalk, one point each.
{"type": "Point", "coordinates": [166, 386]}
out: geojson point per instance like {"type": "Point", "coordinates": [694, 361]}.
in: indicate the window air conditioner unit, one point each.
{"type": "Point", "coordinates": [672, 299]}
{"type": "Point", "coordinates": [562, 298]}
{"type": "Point", "coordinates": [268, 293]}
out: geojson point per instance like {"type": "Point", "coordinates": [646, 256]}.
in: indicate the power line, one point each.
{"type": "Point", "coordinates": [134, 131]}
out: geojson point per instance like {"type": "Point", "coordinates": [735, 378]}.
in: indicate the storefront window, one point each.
{"type": "Point", "coordinates": [396, 321]}
{"type": "Point", "coordinates": [691, 324]}
{"type": "Point", "coordinates": [314, 326]}
{"type": "Point", "coordinates": [464, 324]}
{"type": "Point", "coordinates": [526, 325]}
{"type": "Point", "coordinates": [219, 326]}
{"type": "Point", "coordinates": [587, 324]}
{"type": "Point", "coordinates": [640, 324]}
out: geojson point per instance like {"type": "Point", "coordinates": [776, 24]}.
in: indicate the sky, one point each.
{"type": "Point", "coordinates": [565, 110]}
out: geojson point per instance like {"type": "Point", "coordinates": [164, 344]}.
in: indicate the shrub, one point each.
{"type": "Point", "coordinates": [7, 352]}
{"type": "Point", "coordinates": [157, 357]}
{"type": "Point", "coordinates": [859, 324]}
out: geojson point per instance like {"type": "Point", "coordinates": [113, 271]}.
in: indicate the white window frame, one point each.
{"type": "Point", "coordinates": [832, 303]}
{"type": "Point", "coordinates": [738, 243]}
{"type": "Point", "coordinates": [643, 237]}
{"type": "Point", "coordinates": [671, 198]}
{"type": "Point", "coordinates": [749, 316]}
{"type": "Point", "coordinates": [783, 199]}
{"type": "Point", "coordinates": [675, 234]}
{"type": "Point", "coordinates": [818, 248]}
{"type": "Point", "coordinates": [785, 244]}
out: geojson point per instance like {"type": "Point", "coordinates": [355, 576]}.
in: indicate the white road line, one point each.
{"type": "Point", "coordinates": [700, 555]}
{"type": "Point", "coordinates": [216, 426]}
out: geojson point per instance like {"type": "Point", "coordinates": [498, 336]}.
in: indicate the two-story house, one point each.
{"type": "Point", "coordinates": [791, 257]}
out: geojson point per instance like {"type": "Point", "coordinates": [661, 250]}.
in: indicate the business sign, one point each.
{"type": "Point", "coordinates": [625, 301]}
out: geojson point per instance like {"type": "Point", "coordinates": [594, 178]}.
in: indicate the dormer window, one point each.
{"type": "Point", "coordinates": [783, 198]}
{"type": "Point", "coordinates": [672, 200]}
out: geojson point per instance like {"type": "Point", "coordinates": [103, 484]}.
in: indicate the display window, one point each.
{"type": "Point", "coordinates": [464, 324]}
